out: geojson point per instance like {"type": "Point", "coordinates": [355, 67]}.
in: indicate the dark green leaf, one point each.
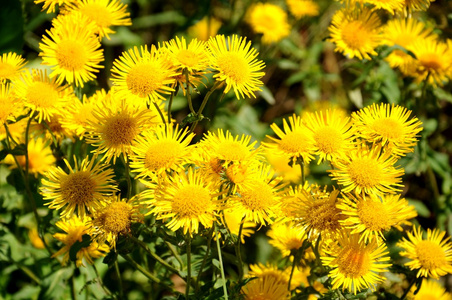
{"type": "Point", "coordinates": [78, 245]}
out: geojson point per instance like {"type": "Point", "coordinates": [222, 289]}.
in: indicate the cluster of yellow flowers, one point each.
{"type": "Point", "coordinates": [224, 180]}
{"type": "Point", "coordinates": [357, 31]}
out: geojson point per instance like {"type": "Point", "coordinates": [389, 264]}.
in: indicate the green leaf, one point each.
{"type": "Point", "coordinates": [267, 95]}
{"type": "Point", "coordinates": [421, 208]}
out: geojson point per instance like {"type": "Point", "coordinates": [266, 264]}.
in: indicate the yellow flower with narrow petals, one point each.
{"type": "Point", "coordinates": [265, 289]}
{"type": "Point", "coordinates": [11, 66]}
{"type": "Point", "coordinates": [287, 237]}
{"type": "Point", "coordinates": [356, 33]}
{"type": "Point", "coordinates": [40, 157]}
{"type": "Point", "coordinates": [205, 28]}
{"type": "Point", "coordinates": [50, 5]}
{"type": "Point", "coordinates": [74, 230]}
{"type": "Point", "coordinates": [10, 106]}
{"type": "Point", "coordinates": [83, 189]}
{"type": "Point", "coordinates": [72, 50]}
{"type": "Point", "coordinates": [233, 220]}
{"type": "Point", "coordinates": [354, 264]}
{"type": "Point", "coordinates": [391, 6]}
{"type": "Point", "coordinates": [270, 20]}
{"type": "Point", "coordinates": [303, 8]}
{"type": "Point", "coordinates": [432, 256]}
{"type": "Point", "coordinates": [236, 65]}
{"type": "Point", "coordinates": [430, 290]}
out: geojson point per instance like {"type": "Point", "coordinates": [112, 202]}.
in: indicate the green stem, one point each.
{"type": "Point", "coordinates": [72, 287]}
{"type": "Point", "coordinates": [225, 291]}
{"type": "Point", "coordinates": [160, 112]}
{"type": "Point", "coordinates": [154, 255]}
{"type": "Point", "coordinates": [300, 161]}
{"type": "Point", "coordinates": [408, 289]}
{"type": "Point", "coordinates": [187, 287]}
{"type": "Point", "coordinates": [203, 104]}
{"type": "Point", "coordinates": [141, 269]}
{"type": "Point", "coordinates": [127, 174]}
{"type": "Point", "coordinates": [315, 249]}
{"type": "Point", "coordinates": [209, 242]}
{"type": "Point", "coordinates": [295, 256]}
{"type": "Point", "coordinates": [118, 274]}
{"type": "Point", "coordinates": [239, 252]}
{"type": "Point", "coordinates": [99, 280]}
{"type": "Point", "coordinates": [175, 254]}
{"type": "Point", "coordinates": [170, 103]}
{"type": "Point", "coordinates": [187, 84]}
{"type": "Point", "coordinates": [8, 133]}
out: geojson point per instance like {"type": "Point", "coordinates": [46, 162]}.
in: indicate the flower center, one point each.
{"type": "Point", "coordinates": [430, 255]}
{"type": "Point", "coordinates": [364, 172]}
{"type": "Point", "coordinates": [294, 142]}
{"type": "Point", "coordinates": [234, 67]}
{"type": "Point", "coordinates": [78, 188]}
{"type": "Point", "coordinates": [116, 217]}
{"type": "Point", "coordinates": [355, 35]}
{"type": "Point", "coordinates": [323, 216]}
{"type": "Point", "coordinates": [71, 55]}
{"type": "Point", "coordinates": [374, 215]}
{"type": "Point", "coordinates": [187, 58]}
{"type": "Point", "coordinates": [228, 150]}
{"type": "Point", "coordinates": [144, 78]}
{"type": "Point", "coordinates": [191, 201]}
{"type": "Point", "coordinates": [98, 13]}
{"type": "Point", "coordinates": [162, 155]}
{"type": "Point", "coordinates": [258, 197]}
{"type": "Point", "coordinates": [328, 140]}
{"type": "Point", "coordinates": [120, 130]}
{"type": "Point", "coordinates": [388, 128]}
{"type": "Point", "coordinates": [431, 62]}
{"type": "Point", "coordinates": [6, 71]}
{"type": "Point", "coordinates": [42, 94]}
{"type": "Point", "coordinates": [74, 234]}
{"type": "Point", "coordinates": [353, 262]}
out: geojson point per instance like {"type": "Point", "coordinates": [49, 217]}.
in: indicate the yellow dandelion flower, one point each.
{"type": "Point", "coordinates": [11, 66]}
{"type": "Point", "coordinates": [368, 171]}
{"type": "Point", "coordinates": [403, 32]}
{"type": "Point", "coordinates": [205, 28]}
{"type": "Point", "coordinates": [80, 113]}
{"type": "Point", "coordinates": [388, 125]}
{"type": "Point", "coordinates": [287, 237]}
{"type": "Point", "coordinates": [104, 13]}
{"type": "Point", "coordinates": [372, 216]}
{"type": "Point", "coordinates": [114, 127]}
{"type": "Point", "coordinates": [413, 5]}
{"type": "Point", "coordinates": [291, 200]}
{"type": "Point", "coordinates": [265, 289]}
{"type": "Point", "coordinates": [391, 6]}
{"type": "Point", "coordinates": [35, 240]}
{"type": "Point", "coordinates": [186, 200]}
{"type": "Point", "coordinates": [317, 212]}
{"type": "Point", "coordinates": [270, 272]}
{"type": "Point", "coordinates": [269, 20]}
{"type": "Point", "coordinates": [74, 230]}
{"type": "Point", "coordinates": [50, 5]}
{"type": "Point", "coordinates": [83, 189]}
{"type": "Point", "coordinates": [432, 257]}
{"type": "Point", "coordinates": [114, 218]}
{"type": "Point", "coordinates": [164, 149]}
{"type": "Point", "coordinates": [40, 157]}
{"type": "Point", "coordinates": [10, 106]}
{"type": "Point", "coordinates": [280, 164]}
{"type": "Point", "coordinates": [233, 219]}
{"type": "Point", "coordinates": [53, 127]}
{"type": "Point", "coordinates": [303, 8]}
{"type": "Point", "coordinates": [192, 57]}
{"type": "Point", "coordinates": [72, 50]}
{"type": "Point", "coordinates": [433, 61]}
{"type": "Point", "coordinates": [355, 265]}
{"type": "Point", "coordinates": [238, 174]}
{"type": "Point", "coordinates": [332, 133]}
{"type": "Point", "coordinates": [296, 141]}
{"type": "Point", "coordinates": [356, 33]}
{"type": "Point", "coordinates": [259, 200]}
{"type": "Point", "coordinates": [17, 130]}
{"type": "Point", "coordinates": [429, 290]}
{"type": "Point", "coordinates": [42, 94]}
{"type": "Point", "coordinates": [228, 148]}
{"type": "Point", "coordinates": [236, 65]}
{"type": "Point", "coordinates": [141, 76]}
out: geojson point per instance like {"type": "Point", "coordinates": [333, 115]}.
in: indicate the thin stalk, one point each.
{"type": "Point", "coordinates": [72, 287]}
{"type": "Point", "coordinates": [8, 133]}
{"type": "Point", "coordinates": [27, 271]}
{"type": "Point", "coordinates": [154, 255]}
{"type": "Point", "coordinates": [160, 112]}
{"type": "Point", "coordinates": [99, 280]}
{"type": "Point", "coordinates": [225, 291]}
{"type": "Point", "coordinates": [187, 287]}
{"type": "Point", "coordinates": [141, 269]}
{"type": "Point", "coordinates": [187, 84]}
{"type": "Point", "coordinates": [203, 104]}
{"type": "Point", "coordinates": [174, 252]}
{"type": "Point", "coordinates": [315, 249]}
{"type": "Point", "coordinates": [118, 274]}
{"type": "Point", "coordinates": [127, 174]}
{"type": "Point", "coordinates": [292, 271]}
{"type": "Point", "coordinates": [209, 242]}
{"type": "Point", "coordinates": [408, 289]}
{"type": "Point", "coordinates": [300, 161]}
{"type": "Point", "coordinates": [170, 103]}
{"type": "Point", "coordinates": [239, 252]}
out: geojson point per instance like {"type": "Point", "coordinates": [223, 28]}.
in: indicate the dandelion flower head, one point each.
{"type": "Point", "coordinates": [270, 20]}
{"type": "Point", "coordinates": [11, 66]}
